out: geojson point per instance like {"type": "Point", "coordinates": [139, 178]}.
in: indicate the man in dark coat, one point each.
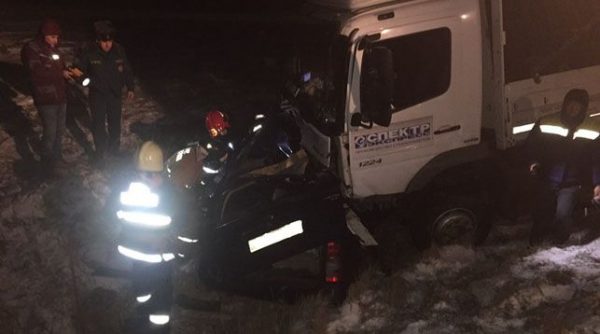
{"type": "Point", "coordinates": [564, 148]}
{"type": "Point", "coordinates": [48, 74]}
{"type": "Point", "coordinates": [106, 64]}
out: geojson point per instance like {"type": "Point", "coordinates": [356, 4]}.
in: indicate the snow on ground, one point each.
{"type": "Point", "coordinates": [55, 234]}
{"type": "Point", "coordinates": [502, 287]}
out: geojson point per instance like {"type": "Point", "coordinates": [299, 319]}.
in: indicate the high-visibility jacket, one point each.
{"type": "Point", "coordinates": [146, 218]}
{"type": "Point", "coordinates": [567, 156]}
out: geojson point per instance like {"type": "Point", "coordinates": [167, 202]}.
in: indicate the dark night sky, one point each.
{"type": "Point", "coordinates": [221, 5]}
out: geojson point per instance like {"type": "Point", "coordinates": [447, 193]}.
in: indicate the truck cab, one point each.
{"type": "Point", "coordinates": [409, 92]}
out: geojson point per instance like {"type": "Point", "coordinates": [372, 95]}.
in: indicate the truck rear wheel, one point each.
{"type": "Point", "coordinates": [451, 220]}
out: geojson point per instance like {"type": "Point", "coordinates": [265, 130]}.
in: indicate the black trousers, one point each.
{"type": "Point", "coordinates": [106, 109]}
{"type": "Point", "coordinates": [153, 280]}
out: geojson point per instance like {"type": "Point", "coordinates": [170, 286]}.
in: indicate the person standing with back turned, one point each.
{"type": "Point", "coordinates": [106, 64]}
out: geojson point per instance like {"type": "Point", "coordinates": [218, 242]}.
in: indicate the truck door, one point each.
{"type": "Point", "coordinates": [436, 98]}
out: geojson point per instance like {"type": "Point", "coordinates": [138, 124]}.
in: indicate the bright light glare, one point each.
{"type": "Point", "coordinates": [150, 258]}
{"type": "Point", "coordinates": [554, 129]}
{"type": "Point", "coordinates": [159, 319]}
{"type": "Point", "coordinates": [85, 82]}
{"type": "Point", "coordinates": [208, 170]}
{"type": "Point", "coordinates": [188, 240]}
{"type": "Point", "coordinates": [130, 253]}
{"type": "Point", "coordinates": [144, 218]}
{"type": "Point", "coordinates": [143, 299]}
{"type": "Point", "coordinates": [464, 16]}
{"type": "Point", "coordinates": [55, 56]}
{"type": "Point", "coordinates": [259, 116]}
{"type": "Point", "coordinates": [522, 128]}
{"type": "Point", "coordinates": [139, 195]}
{"type": "Point", "coordinates": [208, 146]}
{"type": "Point", "coordinates": [257, 127]}
{"type": "Point", "coordinates": [587, 134]}
{"type": "Point", "coordinates": [230, 145]}
{"type": "Point", "coordinates": [168, 257]}
{"type": "Point", "coordinates": [275, 236]}
{"type": "Point", "coordinates": [181, 153]}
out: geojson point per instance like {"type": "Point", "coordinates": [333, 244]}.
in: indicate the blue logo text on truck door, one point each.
{"type": "Point", "coordinates": [406, 133]}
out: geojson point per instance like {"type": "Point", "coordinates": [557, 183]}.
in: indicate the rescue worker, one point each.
{"type": "Point", "coordinates": [564, 149]}
{"type": "Point", "coordinates": [219, 147]}
{"type": "Point", "coordinates": [188, 166]}
{"type": "Point", "coordinates": [48, 78]}
{"type": "Point", "coordinates": [217, 125]}
{"type": "Point", "coordinates": [146, 215]}
{"type": "Point", "coordinates": [106, 64]}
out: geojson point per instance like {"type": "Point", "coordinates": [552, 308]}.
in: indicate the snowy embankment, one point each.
{"type": "Point", "coordinates": [503, 287]}
{"type": "Point", "coordinates": [54, 235]}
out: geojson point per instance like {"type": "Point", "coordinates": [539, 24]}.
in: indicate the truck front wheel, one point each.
{"type": "Point", "coordinates": [451, 220]}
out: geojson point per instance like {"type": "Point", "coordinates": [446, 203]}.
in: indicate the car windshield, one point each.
{"type": "Point", "coordinates": [316, 75]}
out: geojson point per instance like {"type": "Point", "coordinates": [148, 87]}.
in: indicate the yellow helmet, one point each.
{"type": "Point", "coordinates": [149, 157]}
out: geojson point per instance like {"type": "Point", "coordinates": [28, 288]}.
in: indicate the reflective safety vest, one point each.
{"type": "Point", "coordinates": [145, 225]}
{"type": "Point", "coordinates": [589, 129]}
{"type": "Point", "coordinates": [567, 156]}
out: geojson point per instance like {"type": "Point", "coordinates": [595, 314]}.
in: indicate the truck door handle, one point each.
{"type": "Point", "coordinates": [446, 129]}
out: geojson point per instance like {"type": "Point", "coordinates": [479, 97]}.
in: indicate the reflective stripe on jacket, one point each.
{"type": "Point", "coordinates": [567, 156]}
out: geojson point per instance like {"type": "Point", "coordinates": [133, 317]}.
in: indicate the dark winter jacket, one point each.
{"type": "Point", "coordinates": [108, 71]}
{"type": "Point", "coordinates": [218, 150]}
{"type": "Point", "coordinates": [568, 155]}
{"type": "Point", "coordinates": [48, 84]}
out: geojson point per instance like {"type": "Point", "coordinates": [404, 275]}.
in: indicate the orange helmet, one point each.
{"type": "Point", "coordinates": [216, 123]}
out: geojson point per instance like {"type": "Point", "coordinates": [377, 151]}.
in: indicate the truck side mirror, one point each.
{"type": "Point", "coordinates": [357, 120]}
{"type": "Point", "coordinates": [377, 85]}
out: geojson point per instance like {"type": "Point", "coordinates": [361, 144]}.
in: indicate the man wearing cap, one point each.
{"type": "Point", "coordinates": [106, 64]}
{"type": "Point", "coordinates": [564, 149]}
{"type": "Point", "coordinates": [47, 73]}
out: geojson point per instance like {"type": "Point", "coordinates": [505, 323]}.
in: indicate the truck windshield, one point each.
{"type": "Point", "coordinates": [316, 76]}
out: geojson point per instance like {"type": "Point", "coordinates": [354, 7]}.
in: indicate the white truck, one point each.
{"type": "Point", "coordinates": [413, 103]}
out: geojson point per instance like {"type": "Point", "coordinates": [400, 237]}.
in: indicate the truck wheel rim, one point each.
{"type": "Point", "coordinates": [455, 226]}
